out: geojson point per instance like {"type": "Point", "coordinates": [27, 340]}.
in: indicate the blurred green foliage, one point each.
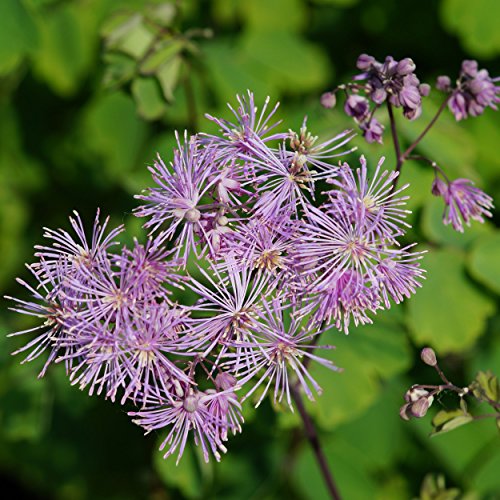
{"type": "Point", "coordinates": [91, 90]}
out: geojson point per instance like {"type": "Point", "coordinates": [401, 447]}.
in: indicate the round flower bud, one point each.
{"type": "Point", "coordinates": [443, 82]}
{"type": "Point", "coordinates": [415, 393]}
{"type": "Point", "coordinates": [191, 403]}
{"type": "Point", "coordinates": [328, 100]}
{"type": "Point", "coordinates": [192, 215]}
{"type": "Point", "coordinates": [424, 89]}
{"type": "Point", "coordinates": [365, 62]}
{"type": "Point", "coordinates": [379, 95]}
{"type": "Point", "coordinates": [357, 107]}
{"type": "Point", "coordinates": [406, 66]}
{"type": "Point", "coordinates": [469, 67]}
{"type": "Point", "coordinates": [428, 356]}
{"type": "Point", "coordinates": [420, 407]}
{"type": "Point", "coordinates": [222, 220]}
{"type": "Point", "coordinates": [225, 381]}
{"type": "Point", "coordinates": [439, 187]}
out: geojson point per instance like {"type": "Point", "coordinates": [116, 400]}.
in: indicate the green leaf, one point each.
{"type": "Point", "coordinates": [163, 13]}
{"type": "Point", "coordinates": [436, 231]}
{"type": "Point", "coordinates": [486, 384]}
{"type": "Point", "coordinates": [120, 69]}
{"type": "Point", "coordinates": [351, 478]}
{"type": "Point", "coordinates": [448, 144]}
{"type": "Point", "coordinates": [476, 23]}
{"type": "Point", "coordinates": [446, 421]}
{"type": "Point", "coordinates": [161, 55]}
{"type": "Point", "coordinates": [147, 95]}
{"type": "Point", "coordinates": [261, 15]}
{"type": "Point", "coordinates": [112, 129]}
{"type": "Point", "coordinates": [444, 416]}
{"type": "Point", "coordinates": [487, 358]}
{"type": "Point", "coordinates": [18, 34]}
{"type": "Point", "coordinates": [233, 72]}
{"type": "Point", "coordinates": [130, 36]}
{"type": "Point", "coordinates": [294, 64]}
{"type": "Point", "coordinates": [369, 354]}
{"type": "Point", "coordinates": [168, 76]}
{"type": "Point", "coordinates": [448, 312]}
{"type": "Point", "coordinates": [484, 262]}
{"type": "Point", "coordinates": [377, 434]}
{"type": "Point", "coordinates": [420, 179]}
{"type": "Point", "coordinates": [185, 476]}
{"type": "Point", "coordinates": [69, 42]}
{"type": "Point", "coordinates": [485, 480]}
{"type": "Point", "coordinates": [485, 134]}
{"type": "Point", "coordinates": [457, 450]}
{"type": "Point", "coordinates": [337, 3]}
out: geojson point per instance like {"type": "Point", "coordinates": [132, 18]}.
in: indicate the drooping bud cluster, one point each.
{"type": "Point", "coordinates": [391, 81]}
{"type": "Point", "coordinates": [395, 83]}
{"type": "Point", "coordinates": [473, 92]}
{"type": "Point", "coordinates": [418, 401]}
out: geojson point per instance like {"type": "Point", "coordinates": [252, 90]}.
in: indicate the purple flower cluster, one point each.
{"type": "Point", "coordinates": [232, 218]}
{"type": "Point", "coordinates": [473, 92]}
{"type": "Point", "coordinates": [391, 81]}
{"type": "Point", "coordinates": [395, 83]}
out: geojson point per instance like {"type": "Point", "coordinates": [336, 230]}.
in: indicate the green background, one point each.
{"type": "Point", "coordinates": [79, 123]}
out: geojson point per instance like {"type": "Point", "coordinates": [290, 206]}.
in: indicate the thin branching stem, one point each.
{"type": "Point", "coordinates": [416, 142]}
{"type": "Point", "coordinates": [312, 437]}
{"type": "Point", "coordinates": [395, 140]}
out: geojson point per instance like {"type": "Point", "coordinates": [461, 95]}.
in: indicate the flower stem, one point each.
{"type": "Point", "coordinates": [415, 143]}
{"type": "Point", "coordinates": [402, 157]}
{"type": "Point", "coordinates": [395, 140]}
{"type": "Point", "coordinates": [312, 436]}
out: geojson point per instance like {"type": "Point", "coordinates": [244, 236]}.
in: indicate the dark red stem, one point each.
{"type": "Point", "coordinates": [312, 436]}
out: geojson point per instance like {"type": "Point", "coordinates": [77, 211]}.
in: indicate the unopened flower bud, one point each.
{"type": "Point", "coordinates": [372, 131]}
{"type": "Point", "coordinates": [428, 356]}
{"type": "Point", "coordinates": [328, 100]}
{"type": "Point", "coordinates": [222, 220]}
{"type": "Point", "coordinates": [415, 393]}
{"type": "Point", "coordinates": [225, 381]}
{"type": "Point", "coordinates": [439, 187]}
{"type": "Point", "coordinates": [357, 107]}
{"type": "Point", "coordinates": [379, 95]}
{"type": "Point", "coordinates": [192, 215]}
{"type": "Point", "coordinates": [420, 407]}
{"type": "Point", "coordinates": [365, 62]}
{"type": "Point", "coordinates": [406, 66]}
{"type": "Point", "coordinates": [424, 89]}
{"type": "Point", "coordinates": [191, 403]}
{"type": "Point", "coordinates": [404, 411]}
{"type": "Point", "coordinates": [443, 82]}
{"type": "Point", "coordinates": [469, 67]}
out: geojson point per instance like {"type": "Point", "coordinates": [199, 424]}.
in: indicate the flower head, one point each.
{"type": "Point", "coordinates": [176, 202]}
{"type": "Point", "coordinates": [205, 415]}
{"type": "Point", "coordinates": [276, 356]}
{"type": "Point", "coordinates": [463, 202]}
{"type": "Point", "coordinates": [372, 203]}
{"type": "Point", "coordinates": [475, 91]}
{"type": "Point", "coordinates": [250, 124]}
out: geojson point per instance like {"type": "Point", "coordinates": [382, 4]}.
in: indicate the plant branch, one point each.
{"type": "Point", "coordinates": [416, 142]}
{"type": "Point", "coordinates": [312, 436]}
{"type": "Point", "coordinates": [395, 140]}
